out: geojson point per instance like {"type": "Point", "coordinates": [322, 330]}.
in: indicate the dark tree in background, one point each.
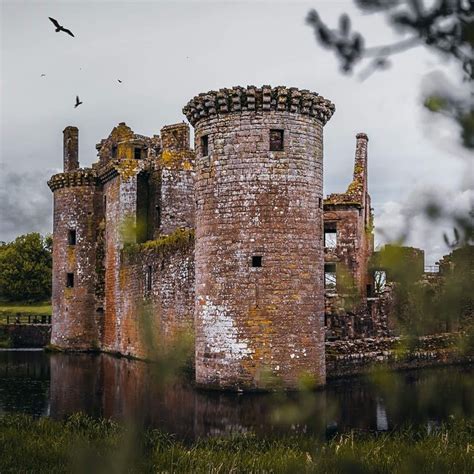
{"type": "Point", "coordinates": [25, 268]}
{"type": "Point", "coordinates": [443, 26]}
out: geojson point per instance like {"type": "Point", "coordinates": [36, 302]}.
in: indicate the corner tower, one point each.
{"type": "Point", "coordinates": [259, 250]}
{"type": "Point", "coordinates": [76, 207]}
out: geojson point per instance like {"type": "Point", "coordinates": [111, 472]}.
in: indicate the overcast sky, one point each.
{"type": "Point", "coordinates": [167, 52]}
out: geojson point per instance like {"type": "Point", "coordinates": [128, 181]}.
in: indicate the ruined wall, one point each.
{"type": "Point", "coordinates": [359, 356]}
{"type": "Point", "coordinates": [177, 202]}
{"type": "Point", "coordinates": [259, 256]}
{"type": "Point", "coordinates": [76, 204]}
{"type": "Point", "coordinates": [157, 288]}
{"type": "Point", "coordinates": [350, 213]}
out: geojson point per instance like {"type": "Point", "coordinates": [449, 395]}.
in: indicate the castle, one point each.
{"type": "Point", "coordinates": [232, 240]}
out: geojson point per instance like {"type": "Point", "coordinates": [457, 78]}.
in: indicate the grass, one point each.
{"type": "Point", "coordinates": [23, 310]}
{"type": "Point", "coordinates": [81, 444]}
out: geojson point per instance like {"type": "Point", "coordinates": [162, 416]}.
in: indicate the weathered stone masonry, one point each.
{"type": "Point", "coordinates": [258, 254]}
{"type": "Point", "coordinates": [229, 241]}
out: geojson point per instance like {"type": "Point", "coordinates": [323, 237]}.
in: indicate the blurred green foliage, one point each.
{"type": "Point", "coordinates": [83, 445]}
{"type": "Point", "coordinates": [26, 268]}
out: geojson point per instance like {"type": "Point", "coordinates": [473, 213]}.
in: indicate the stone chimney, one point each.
{"type": "Point", "coordinates": [71, 148]}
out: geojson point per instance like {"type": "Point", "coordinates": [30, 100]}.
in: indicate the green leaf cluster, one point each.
{"type": "Point", "coordinates": [26, 268]}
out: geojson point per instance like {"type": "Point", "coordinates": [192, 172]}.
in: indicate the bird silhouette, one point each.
{"type": "Point", "coordinates": [59, 27]}
{"type": "Point", "coordinates": [119, 81]}
{"type": "Point", "coordinates": [78, 102]}
{"type": "Point", "coordinates": [43, 75]}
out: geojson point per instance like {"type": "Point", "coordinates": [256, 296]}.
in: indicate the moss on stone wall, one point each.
{"type": "Point", "coordinates": [180, 238]}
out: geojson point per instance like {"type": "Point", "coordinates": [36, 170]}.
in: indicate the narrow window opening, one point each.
{"type": "Point", "coordinates": [257, 261]}
{"type": "Point", "coordinates": [70, 280]}
{"type": "Point", "coordinates": [148, 275]}
{"type": "Point", "coordinates": [143, 231]}
{"type": "Point", "coordinates": [105, 205]}
{"type": "Point", "coordinates": [380, 280]}
{"type": "Point", "coordinates": [205, 145]}
{"type": "Point", "coordinates": [71, 237]}
{"type": "Point", "coordinates": [114, 151]}
{"type": "Point", "coordinates": [276, 140]}
{"type": "Point", "coordinates": [320, 202]}
{"type": "Point", "coordinates": [330, 276]}
{"type": "Point", "coordinates": [137, 153]}
{"type": "Point", "coordinates": [158, 216]}
{"type": "Point", "coordinates": [330, 235]}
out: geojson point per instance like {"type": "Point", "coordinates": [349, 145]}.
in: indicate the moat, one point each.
{"type": "Point", "coordinates": [56, 385]}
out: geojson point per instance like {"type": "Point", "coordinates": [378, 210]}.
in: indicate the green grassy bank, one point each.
{"type": "Point", "coordinates": [23, 310]}
{"type": "Point", "coordinates": [81, 444]}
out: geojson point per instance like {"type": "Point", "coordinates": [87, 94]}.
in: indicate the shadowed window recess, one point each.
{"type": "Point", "coordinates": [257, 261]}
{"type": "Point", "coordinates": [148, 278]}
{"type": "Point", "coordinates": [71, 237]}
{"type": "Point", "coordinates": [137, 153]}
{"type": "Point", "coordinates": [330, 279]}
{"type": "Point", "coordinates": [69, 280]}
{"type": "Point", "coordinates": [205, 145]}
{"type": "Point", "coordinates": [330, 235]}
{"type": "Point", "coordinates": [114, 151]}
{"type": "Point", "coordinates": [276, 140]}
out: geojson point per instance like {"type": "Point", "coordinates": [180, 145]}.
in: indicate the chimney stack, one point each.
{"type": "Point", "coordinates": [71, 148]}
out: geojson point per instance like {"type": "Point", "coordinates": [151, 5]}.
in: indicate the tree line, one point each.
{"type": "Point", "coordinates": [26, 268]}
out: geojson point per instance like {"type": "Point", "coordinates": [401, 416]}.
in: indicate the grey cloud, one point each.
{"type": "Point", "coordinates": [25, 203]}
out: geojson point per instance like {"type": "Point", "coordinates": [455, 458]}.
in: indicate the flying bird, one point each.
{"type": "Point", "coordinates": [78, 102]}
{"type": "Point", "coordinates": [119, 81]}
{"type": "Point", "coordinates": [59, 27]}
{"type": "Point", "coordinates": [43, 75]}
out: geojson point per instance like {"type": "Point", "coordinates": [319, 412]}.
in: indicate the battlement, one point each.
{"type": "Point", "coordinates": [265, 98]}
{"type": "Point", "coordinates": [175, 137]}
{"type": "Point", "coordinates": [81, 177]}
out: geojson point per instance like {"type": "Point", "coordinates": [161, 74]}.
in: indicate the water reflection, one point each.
{"type": "Point", "coordinates": [57, 385]}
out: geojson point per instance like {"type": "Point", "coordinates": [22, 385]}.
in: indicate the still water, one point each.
{"type": "Point", "coordinates": [56, 385]}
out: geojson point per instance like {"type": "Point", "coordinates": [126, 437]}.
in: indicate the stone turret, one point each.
{"type": "Point", "coordinates": [259, 251]}
{"type": "Point", "coordinates": [76, 206]}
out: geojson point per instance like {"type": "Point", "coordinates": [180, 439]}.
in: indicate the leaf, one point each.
{"type": "Point", "coordinates": [344, 24]}
{"type": "Point", "coordinates": [358, 44]}
{"type": "Point", "coordinates": [325, 35]}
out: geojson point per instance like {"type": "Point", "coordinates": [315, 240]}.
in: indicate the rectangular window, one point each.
{"type": "Point", "coordinates": [148, 275]}
{"type": "Point", "coordinates": [330, 235]}
{"type": "Point", "coordinates": [380, 280]}
{"type": "Point", "coordinates": [71, 237]}
{"type": "Point", "coordinates": [330, 276]}
{"type": "Point", "coordinates": [257, 261]}
{"type": "Point", "coordinates": [137, 153]}
{"type": "Point", "coordinates": [69, 280]}
{"type": "Point", "coordinates": [114, 151]}
{"type": "Point", "coordinates": [205, 145]}
{"type": "Point", "coordinates": [276, 140]}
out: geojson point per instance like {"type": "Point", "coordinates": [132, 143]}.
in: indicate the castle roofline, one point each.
{"type": "Point", "coordinates": [266, 98]}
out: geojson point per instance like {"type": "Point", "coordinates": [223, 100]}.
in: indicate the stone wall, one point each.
{"type": "Point", "coordinates": [26, 335]}
{"type": "Point", "coordinates": [157, 288]}
{"type": "Point", "coordinates": [259, 255]}
{"type": "Point", "coordinates": [358, 356]}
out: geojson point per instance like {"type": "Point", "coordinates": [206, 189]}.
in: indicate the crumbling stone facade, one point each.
{"type": "Point", "coordinates": [228, 241]}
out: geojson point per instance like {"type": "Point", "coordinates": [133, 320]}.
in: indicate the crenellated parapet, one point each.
{"type": "Point", "coordinates": [81, 177]}
{"type": "Point", "coordinates": [265, 98]}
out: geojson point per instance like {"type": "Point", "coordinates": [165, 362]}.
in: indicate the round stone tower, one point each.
{"type": "Point", "coordinates": [76, 206]}
{"type": "Point", "coordinates": [259, 249]}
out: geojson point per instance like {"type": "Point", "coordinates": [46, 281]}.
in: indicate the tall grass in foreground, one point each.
{"type": "Point", "coordinates": [82, 444]}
